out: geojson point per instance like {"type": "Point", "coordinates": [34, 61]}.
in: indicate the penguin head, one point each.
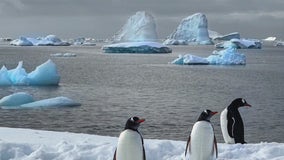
{"type": "Point", "coordinates": [206, 115]}
{"type": "Point", "coordinates": [240, 102]}
{"type": "Point", "coordinates": [133, 123]}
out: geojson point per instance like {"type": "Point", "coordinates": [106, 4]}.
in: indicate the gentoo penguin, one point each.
{"type": "Point", "coordinates": [130, 142]}
{"type": "Point", "coordinates": [202, 144]}
{"type": "Point", "coordinates": [231, 122]}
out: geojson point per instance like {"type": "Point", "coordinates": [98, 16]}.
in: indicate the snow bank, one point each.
{"type": "Point", "coordinates": [44, 74]}
{"type": "Point", "coordinates": [136, 47]}
{"type": "Point", "coordinates": [139, 27]}
{"type": "Point", "coordinates": [191, 29]}
{"type": "Point", "coordinates": [23, 100]}
{"type": "Point", "coordinates": [30, 144]}
{"type": "Point", "coordinates": [228, 56]}
{"type": "Point", "coordinates": [50, 40]}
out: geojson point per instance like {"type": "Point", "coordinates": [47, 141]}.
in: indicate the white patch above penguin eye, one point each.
{"type": "Point", "coordinates": [206, 111]}
{"type": "Point", "coordinates": [132, 119]}
{"type": "Point", "coordinates": [244, 101]}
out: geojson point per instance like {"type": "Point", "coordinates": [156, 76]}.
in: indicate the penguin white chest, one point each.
{"type": "Point", "coordinates": [129, 146]}
{"type": "Point", "coordinates": [202, 141]}
{"type": "Point", "coordinates": [224, 127]}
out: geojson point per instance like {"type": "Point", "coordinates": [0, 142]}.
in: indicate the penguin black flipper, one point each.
{"type": "Point", "coordinates": [230, 125]}
{"type": "Point", "coordinates": [114, 156]}
{"type": "Point", "coordinates": [144, 155]}
{"type": "Point", "coordinates": [216, 148]}
{"type": "Point", "coordinates": [187, 146]}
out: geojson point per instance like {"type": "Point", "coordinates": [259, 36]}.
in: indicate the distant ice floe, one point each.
{"type": "Point", "coordinates": [228, 56]}
{"type": "Point", "coordinates": [227, 37]}
{"type": "Point", "coordinates": [23, 100]}
{"type": "Point", "coordinates": [138, 35]}
{"type": "Point", "coordinates": [50, 40]}
{"type": "Point", "coordinates": [83, 42]}
{"type": "Point", "coordinates": [193, 29]}
{"type": "Point", "coordinates": [63, 55]}
{"type": "Point", "coordinates": [44, 74]}
{"type": "Point", "coordinates": [241, 44]}
{"type": "Point", "coordinates": [137, 47]}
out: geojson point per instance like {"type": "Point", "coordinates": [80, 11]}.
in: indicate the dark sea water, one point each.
{"type": "Point", "coordinates": [113, 87]}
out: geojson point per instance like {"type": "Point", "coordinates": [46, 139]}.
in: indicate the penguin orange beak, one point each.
{"type": "Point", "coordinates": [213, 113]}
{"type": "Point", "coordinates": [141, 120]}
{"type": "Point", "coordinates": [247, 105]}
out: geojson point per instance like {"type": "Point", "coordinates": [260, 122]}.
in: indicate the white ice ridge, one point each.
{"type": "Point", "coordinates": [50, 40]}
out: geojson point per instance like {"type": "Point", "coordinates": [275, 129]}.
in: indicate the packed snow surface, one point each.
{"type": "Point", "coordinates": [136, 47]}
{"type": "Point", "coordinates": [229, 56]}
{"type": "Point", "coordinates": [19, 144]}
{"type": "Point", "coordinates": [50, 40]}
{"type": "Point", "coordinates": [139, 27]}
{"type": "Point", "coordinates": [191, 29]}
{"type": "Point", "coordinates": [44, 74]}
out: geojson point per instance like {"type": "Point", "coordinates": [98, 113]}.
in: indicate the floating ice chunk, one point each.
{"type": "Point", "coordinates": [228, 56]}
{"type": "Point", "coordinates": [44, 74]}
{"type": "Point", "coordinates": [270, 39]}
{"type": "Point", "coordinates": [22, 41]}
{"type": "Point", "coordinates": [52, 102]}
{"type": "Point", "coordinates": [191, 29]}
{"type": "Point", "coordinates": [4, 77]}
{"type": "Point", "coordinates": [16, 99]}
{"type": "Point", "coordinates": [190, 59]}
{"type": "Point", "coordinates": [139, 27]}
{"type": "Point", "coordinates": [18, 76]}
{"type": "Point", "coordinates": [136, 47]}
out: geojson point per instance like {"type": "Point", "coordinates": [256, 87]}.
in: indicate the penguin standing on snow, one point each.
{"type": "Point", "coordinates": [202, 144]}
{"type": "Point", "coordinates": [130, 142]}
{"type": "Point", "coordinates": [231, 122]}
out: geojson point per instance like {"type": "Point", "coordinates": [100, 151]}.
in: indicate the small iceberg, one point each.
{"type": "Point", "coordinates": [44, 74]}
{"type": "Point", "coordinates": [136, 47]}
{"type": "Point", "coordinates": [23, 100]}
{"type": "Point", "coordinates": [228, 56]}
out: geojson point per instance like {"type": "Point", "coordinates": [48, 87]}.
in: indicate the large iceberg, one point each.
{"type": "Point", "coordinates": [193, 29]}
{"type": "Point", "coordinates": [23, 100]}
{"type": "Point", "coordinates": [138, 35]}
{"type": "Point", "coordinates": [241, 44]}
{"type": "Point", "coordinates": [136, 47]}
{"type": "Point", "coordinates": [50, 40]}
{"type": "Point", "coordinates": [139, 27]}
{"type": "Point", "coordinates": [228, 56]}
{"type": "Point", "coordinates": [44, 74]}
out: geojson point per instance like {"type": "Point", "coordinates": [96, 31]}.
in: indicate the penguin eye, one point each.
{"type": "Point", "coordinates": [135, 119]}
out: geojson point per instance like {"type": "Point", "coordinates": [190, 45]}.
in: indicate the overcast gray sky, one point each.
{"type": "Point", "coordinates": [102, 18]}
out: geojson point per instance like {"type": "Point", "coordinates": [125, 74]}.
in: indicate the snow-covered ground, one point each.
{"type": "Point", "coordinates": [27, 144]}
